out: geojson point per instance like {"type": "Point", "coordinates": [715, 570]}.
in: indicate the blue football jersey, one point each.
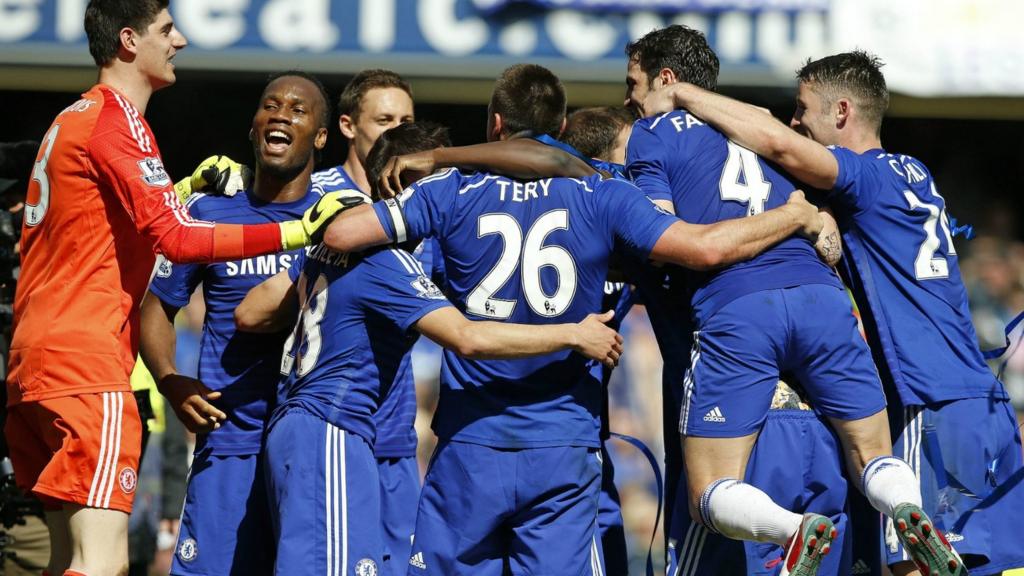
{"type": "Point", "coordinates": [396, 434]}
{"type": "Point", "coordinates": [334, 179]}
{"type": "Point", "coordinates": [901, 265]}
{"type": "Point", "coordinates": [533, 252]}
{"type": "Point", "coordinates": [353, 334]}
{"type": "Point", "coordinates": [616, 170]}
{"type": "Point", "coordinates": [620, 297]}
{"type": "Point", "coordinates": [708, 178]}
{"type": "Point", "coordinates": [243, 366]}
{"type": "Point", "coordinates": [429, 254]}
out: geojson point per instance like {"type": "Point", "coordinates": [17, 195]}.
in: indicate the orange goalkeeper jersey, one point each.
{"type": "Point", "coordinates": [98, 208]}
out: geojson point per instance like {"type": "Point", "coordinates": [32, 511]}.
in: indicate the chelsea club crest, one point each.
{"type": "Point", "coordinates": [188, 550]}
{"type": "Point", "coordinates": [366, 567]}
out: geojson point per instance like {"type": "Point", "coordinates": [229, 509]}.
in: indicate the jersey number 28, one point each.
{"type": "Point", "coordinates": [307, 329]}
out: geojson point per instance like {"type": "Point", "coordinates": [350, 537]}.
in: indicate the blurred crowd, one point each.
{"type": "Point", "coordinates": [993, 271]}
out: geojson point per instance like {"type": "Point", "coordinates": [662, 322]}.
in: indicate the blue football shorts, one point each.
{"type": "Point", "coordinates": [967, 454]}
{"type": "Point", "coordinates": [739, 352]}
{"type": "Point", "coordinates": [797, 461]}
{"type": "Point", "coordinates": [324, 498]}
{"type": "Point", "coordinates": [486, 511]}
{"type": "Point", "coordinates": [399, 498]}
{"type": "Point", "coordinates": [225, 523]}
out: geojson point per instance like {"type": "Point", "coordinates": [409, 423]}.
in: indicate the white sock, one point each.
{"type": "Point", "coordinates": [742, 512]}
{"type": "Point", "coordinates": [887, 482]}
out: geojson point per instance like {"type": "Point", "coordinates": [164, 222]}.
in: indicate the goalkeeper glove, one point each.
{"type": "Point", "coordinates": [310, 229]}
{"type": "Point", "coordinates": [218, 175]}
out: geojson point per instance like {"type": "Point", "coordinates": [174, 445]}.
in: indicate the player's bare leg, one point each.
{"type": "Point", "coordinates": [60, 542]}
{"type": "Point", "coordinates": [99, 540]}
{"type": "Point", "coordinates": [709, 459]}
{"type": "Point", "coordinates": [893, 489]}
{"type": "Point", "coordinates": [721, 502]}
{"type": "Point", "coordinates": [863, 440]}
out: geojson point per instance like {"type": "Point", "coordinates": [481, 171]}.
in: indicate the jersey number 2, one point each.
{"type": "Point", "coordinates": [533, 256]}
{"type": "Point", "coordinates": [928, 266]}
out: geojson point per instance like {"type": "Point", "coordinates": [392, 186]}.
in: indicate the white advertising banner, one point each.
{"type": "Point", "coordinates": [937, 47]}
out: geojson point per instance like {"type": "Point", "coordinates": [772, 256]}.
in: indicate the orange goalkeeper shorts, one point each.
{"type": "Point", "coordinates": [81, 449]}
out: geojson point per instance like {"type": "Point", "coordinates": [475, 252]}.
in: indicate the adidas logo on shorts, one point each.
{"type": "Point", "coordinates": [860, 567]}
{"type": "Point", "coordinates": [715, 415]}
{"type": "Point", "coordinates": [417, 561]}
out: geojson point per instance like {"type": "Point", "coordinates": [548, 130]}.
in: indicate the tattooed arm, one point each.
{"type": "Point", "coordinates": [829, 244]}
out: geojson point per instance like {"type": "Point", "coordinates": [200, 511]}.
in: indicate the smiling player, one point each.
{"type": "Point", "coordinates": [225, 525]}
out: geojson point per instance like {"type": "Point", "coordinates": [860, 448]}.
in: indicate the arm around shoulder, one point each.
{"type": "Point", "coordinates": [481, 340]}
{"type": "Point", "coordinates": [523, 158]}
{"type": "Point", "coordinates": [706, 247]}
{"type": "Point", "coordinates": [356, 229]}
{"type": "Point", "coordinates": [829, 245]}
{"type": "Point", "coordinates": [750, 127]}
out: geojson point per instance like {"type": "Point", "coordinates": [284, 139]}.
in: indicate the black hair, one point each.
{"type": "Point", "coordinates": [682, 50]}
{"type": "Point", "coordinates": [104, 20]}
{"type": "Point", "coordinates": [406, 138]}
{"type": "Point", "coordinates": [529, 98]}
{"type": "Point", "coordinates": [856, 75]}
{"type": "Point", "coordinates": [325, 104]}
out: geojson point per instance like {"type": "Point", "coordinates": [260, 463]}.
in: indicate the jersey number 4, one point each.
{"type": "Point", "coordinates": [928, 265]}
{"type": "Point", "coordinates": [531, 256]}
{"type": "Point", "coordinates": [743, 181]}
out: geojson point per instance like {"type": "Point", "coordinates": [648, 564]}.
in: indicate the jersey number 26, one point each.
{"type": "Point", "coordinates": [531, 255]}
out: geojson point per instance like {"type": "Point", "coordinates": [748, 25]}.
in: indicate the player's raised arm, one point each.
{"type": "Point", "coordinates": [750, 127]}
{"type": "Point", "coordinates": [410, 217]}
{"type": "Point", "coordinates": [520, 158]}
{"type": "Point", "coordinates": [128, 165]}
{"type": "Point", "coordinates": [271, 306]}
{"type": "Point", "coordinates": [482, 340]}
{"type": "Point", "coordinates": [356, 229]}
